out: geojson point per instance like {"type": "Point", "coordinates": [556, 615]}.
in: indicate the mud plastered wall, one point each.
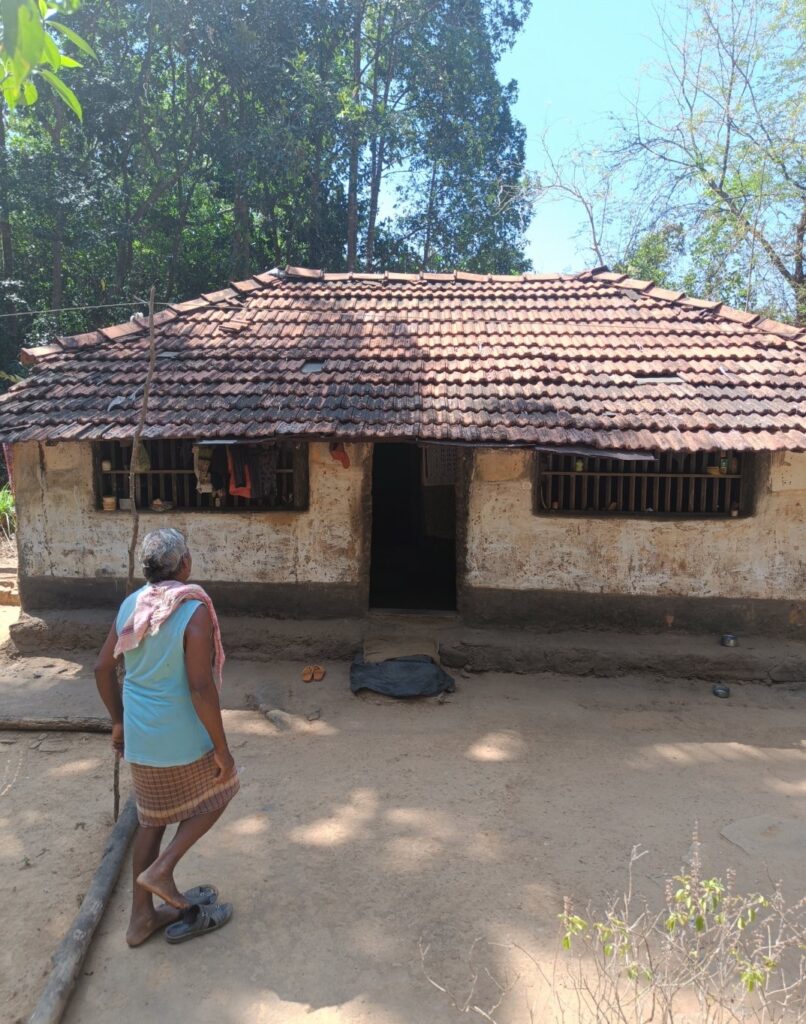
{"type": "Point", "coordinates": [761, 556]}
{"type": "Point", "coordinates": [61, 534]}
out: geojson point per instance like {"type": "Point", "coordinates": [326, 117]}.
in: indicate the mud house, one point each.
{"type": "Point", "coordinates": [545, 449]}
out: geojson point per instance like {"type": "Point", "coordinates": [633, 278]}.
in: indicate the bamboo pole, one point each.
{"type": "Point", "coordinates": [138, 431]}
{"type": "Point", "coordinates": [72, 951]}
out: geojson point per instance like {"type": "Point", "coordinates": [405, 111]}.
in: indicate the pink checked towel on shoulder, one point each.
{"type": "Point", "coordinates": [155, 604]}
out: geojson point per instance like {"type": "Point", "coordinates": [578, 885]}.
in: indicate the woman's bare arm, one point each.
{"type": "Point", "coordinates": [203, 692]}
{"type": "Point", "coordinates": [106, 679]}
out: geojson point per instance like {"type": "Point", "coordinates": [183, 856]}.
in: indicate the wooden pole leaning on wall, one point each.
{"type": "Point", "coordinates": [138, 431]}
{"type": "Point", "coordinates": [71, 953]}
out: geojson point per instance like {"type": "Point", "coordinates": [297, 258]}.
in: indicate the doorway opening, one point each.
{"type": "Point", "coordinates": [413, 558]}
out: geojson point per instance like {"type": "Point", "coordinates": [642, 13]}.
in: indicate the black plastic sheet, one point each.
{"type": "Point", "coordinates": [412, 676]}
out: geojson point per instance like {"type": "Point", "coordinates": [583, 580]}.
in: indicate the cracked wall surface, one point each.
{"type": "Point", "coordinates": [62, 534]}
{"type": "Point", "coordinates": [758, 556]}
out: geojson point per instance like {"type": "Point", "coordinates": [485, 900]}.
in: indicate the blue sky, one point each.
{"type": "Point", "coordinates": [574, 61]}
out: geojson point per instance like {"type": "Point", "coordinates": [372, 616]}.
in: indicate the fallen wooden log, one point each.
{"type": "Point", "coordinates": [55, 724]}
{"type": "Point", "coordinates": [72, 951]}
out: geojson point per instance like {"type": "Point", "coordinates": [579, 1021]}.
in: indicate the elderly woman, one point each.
{"type": "Point", "coordinates": [167, 724]}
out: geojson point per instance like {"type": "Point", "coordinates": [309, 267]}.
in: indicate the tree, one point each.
{"type": "Point", "coordinates": [723, 154]}
{"type": "Point", "coordinates": [31, 41]}
{"type": "Point", "coordinates": [238, 135]}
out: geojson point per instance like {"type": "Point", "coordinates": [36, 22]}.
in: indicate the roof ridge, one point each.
{"type": "Point", "coordinates": [317, 274]}
{"type": "Point", "coordinates": [745, 318]}
{"type": "Point", "coordinates": [234, 295]}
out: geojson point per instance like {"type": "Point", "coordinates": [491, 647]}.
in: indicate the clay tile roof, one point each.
{"type": "Point", "coordinates": [595, 358]}
{"type": "Point", "coordinates": [304, 272]}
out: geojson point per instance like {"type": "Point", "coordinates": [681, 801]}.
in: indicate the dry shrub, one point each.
{"type": "Point", "coordinates": [710, 955]}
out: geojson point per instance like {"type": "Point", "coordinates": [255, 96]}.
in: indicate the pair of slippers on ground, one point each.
{"type": "Point", "coordinates": [204, 915]}
{"type": "Point", "coordinates": [313, 674]}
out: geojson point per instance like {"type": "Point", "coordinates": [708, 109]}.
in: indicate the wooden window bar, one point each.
{"type": "Point", "coordinates": [171, 477]}
{"type": "Point", "coordinates": [700, 484]}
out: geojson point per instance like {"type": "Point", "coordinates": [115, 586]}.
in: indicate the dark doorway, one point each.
{"type": "Point", "coordinates": [413, 529]}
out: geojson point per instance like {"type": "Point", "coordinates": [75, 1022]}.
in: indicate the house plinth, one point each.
{"type": "Point", "coordinates": [543, 451]}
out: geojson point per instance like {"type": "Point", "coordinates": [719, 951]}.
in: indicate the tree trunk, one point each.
{"type": "Point", "coordinates": [183, 202]}
{"type": "Point", "coordinates": [123, 255]}
{"type": "Point", "coordinates": [429, 217]}
{"type": "Point", "coordinates": [378, 144]}
{"type": "Point", "coordinates": [6, 240]}
{"type": "Point", "coordinates": [799, 277]}
{"type": "Point", "coordinates": [376, 149]}
{"type": "Point", "coordinates": [57, 278]}
{"type": "Point", "coordinates": [315, 205]}
{"type": "Point", "coordinates": [355, 145]}
{"type": "Point", "coordinates": [240, 234]}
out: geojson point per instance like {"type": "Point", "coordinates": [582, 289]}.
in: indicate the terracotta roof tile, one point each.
{"type": "Point", "coordinates": [537, 358]}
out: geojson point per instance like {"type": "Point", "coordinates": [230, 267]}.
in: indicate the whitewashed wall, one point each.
{"type": "Point", "coordinates": [762, 556]}
{"type": "Point", "coordinates": [62, 534]}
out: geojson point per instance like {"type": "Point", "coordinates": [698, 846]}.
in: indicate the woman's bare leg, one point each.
{"type": "Point", "coordinates": [158, 877]}
{"type": "Point", "coordinates": [145, 918]}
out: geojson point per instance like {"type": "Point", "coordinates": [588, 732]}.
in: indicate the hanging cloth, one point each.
{"type": "Point", "coordinates": [240, 480]}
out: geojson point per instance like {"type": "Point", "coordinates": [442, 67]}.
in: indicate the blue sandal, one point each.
{"type": "Point", "coordinates": [198, 920]}
{"type": "Point", "coordinates": [204, 895]}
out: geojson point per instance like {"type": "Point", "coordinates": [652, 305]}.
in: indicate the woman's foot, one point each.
{"type": "Point", "coordinates": [161, 883]}
{"type": "Point", "coordinates": [142, 928]}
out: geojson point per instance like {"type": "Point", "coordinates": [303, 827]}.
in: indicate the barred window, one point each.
{"type": "Point", "coordinates": [699, 484]}
{"type": "Point", "coordinates": [203, 476]}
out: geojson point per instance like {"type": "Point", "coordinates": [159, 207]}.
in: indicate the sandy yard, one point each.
{"type": "Point", "coordinates": [55, 815]}
{"type": "Point", "coordinates": [8, 614]}
{"type": "Point", "coordinates": [388, 823]}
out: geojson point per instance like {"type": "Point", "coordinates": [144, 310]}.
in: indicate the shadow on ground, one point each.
{"type": "Point", "coordinates": [391, 823]}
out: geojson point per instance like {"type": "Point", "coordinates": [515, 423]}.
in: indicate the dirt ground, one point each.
{"type": "Point", "coordinates": [384, 825]}
{"type": "Point", "coordinates": [55, 815]}
{"type": "Point", "coordinates": [8, 551]}
{"type": "Point", "coordinates": [8, 614]}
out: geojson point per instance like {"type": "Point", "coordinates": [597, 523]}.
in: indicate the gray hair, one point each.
{"type": "Point", "coordinates": [160, 554]}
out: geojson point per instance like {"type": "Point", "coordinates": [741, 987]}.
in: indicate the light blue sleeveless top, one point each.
{"type": "Point", "coordinates": [160, 724]}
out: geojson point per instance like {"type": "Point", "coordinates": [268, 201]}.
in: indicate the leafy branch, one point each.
{"type": "Point", "coordinates": [31, 45]}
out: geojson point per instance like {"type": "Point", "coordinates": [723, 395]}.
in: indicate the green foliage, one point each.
{"type": "Point", "coordinates": [655, 255]}
{"type": "Point", "coordinates": [8, 515]}
{"type": "Point", "coordinates": [30, 45]}
{"type": "Point", "coordinates": [232, 138]}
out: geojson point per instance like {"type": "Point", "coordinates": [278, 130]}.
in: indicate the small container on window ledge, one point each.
{"type": "Point", "coordinates": [579, 465]}
{"type": "Point", "coordinates": [106, 466]}
{"type": "Point", "coordinates": [109, 503]}
{"type": "Point", "coordinates": [125, 504]}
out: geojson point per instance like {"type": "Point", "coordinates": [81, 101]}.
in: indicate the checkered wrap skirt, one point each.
{"type": "Point", "coordinates": [168, 795]}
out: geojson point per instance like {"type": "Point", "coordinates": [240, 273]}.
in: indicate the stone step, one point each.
{"type": "Point", "coordinates": [580, 653]}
